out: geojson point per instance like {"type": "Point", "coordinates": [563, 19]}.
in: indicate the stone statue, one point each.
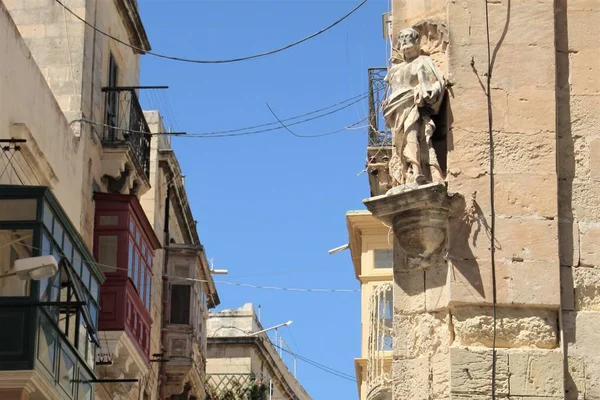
{"type": "Point", "coordinates": [416, 90]}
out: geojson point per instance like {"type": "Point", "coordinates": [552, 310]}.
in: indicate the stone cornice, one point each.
{"type": "Point", "coordinates": [128, 9]}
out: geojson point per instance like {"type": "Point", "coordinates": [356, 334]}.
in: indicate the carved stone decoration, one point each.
{"type": "Point", "coordinates": [418, 216]}
{"type": "Point", "coordinates": [416, 92]}
{"type": "Point", "coordinates": [434, 40]}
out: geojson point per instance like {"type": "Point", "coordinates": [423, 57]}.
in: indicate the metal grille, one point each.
{"type": "Point", "coordinates": [381, 335]}
{"type": "Point", "coordinates": [235, 387]}
{"type": "Point", "coordinates": [127, 125]}
{"type": "Point", "coordinates": [379, 135]}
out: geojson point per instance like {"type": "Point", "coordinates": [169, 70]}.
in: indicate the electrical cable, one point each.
{"type": "Point", "coordinates": [226, 133]}
{"type": "Point", "coordinates": [354, 98]}
{"type": "Point", "coordinates": [492, 206]}
{"type": "Point", "coordinates": [318, 365]}
{"type": "Point", "coordinates": [247, 285]}
{"type": "Point", "coordinates": [307, 136]}
{"type": "Point", "coordinates": [230, 60]}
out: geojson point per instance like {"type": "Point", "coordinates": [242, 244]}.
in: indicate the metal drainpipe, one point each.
{"type": "Point", "coordinates": [165, 297]}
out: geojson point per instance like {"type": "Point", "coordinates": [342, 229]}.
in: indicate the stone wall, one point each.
{"type": "Point", "coordinates": [443, 315]}
{"type": "Point", "coordinates": [52, 149]}
{"type": "Point", "coordinates": [578, 118]}
{"type": "Point", "coordinates": [74, 60]}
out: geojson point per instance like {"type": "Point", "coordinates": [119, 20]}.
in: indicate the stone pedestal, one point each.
{"type": "Point", "coordinates": [418, 217]}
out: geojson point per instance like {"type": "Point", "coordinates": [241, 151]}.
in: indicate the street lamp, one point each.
{"type": "Point", "coordinates": [271, 328]}
{"type": "Point", "coordinates": [34, 268]}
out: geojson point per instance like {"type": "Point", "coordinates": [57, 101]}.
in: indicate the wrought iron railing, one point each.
{"type": "Point", "coordinates": [125, 124]}
{"type": "Point", "coordinates": [379, 135]}
{"type": "Point", "coordinates": [379, 377]}
{"type": "Point", "coordinates": [235, 387]}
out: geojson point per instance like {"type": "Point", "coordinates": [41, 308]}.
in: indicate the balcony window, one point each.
{"type": "Point", "coordinates": [127, 245]}
{"type": "Point", "coordinates": [180, 304]}
{"type": "Point", "coordinates": [384, 258]}
{"type": "Point", "coordinates": [14, 245]}
{"type": "Point", "coordinates": [32, 223]}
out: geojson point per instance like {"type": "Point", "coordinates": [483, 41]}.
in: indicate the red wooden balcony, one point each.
{"type": "Point", "coordinates": [124, 245]}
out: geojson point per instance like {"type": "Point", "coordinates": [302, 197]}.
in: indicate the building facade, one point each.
{"type": "Point", "coordinates": [87, 178]}
{"type": "Point", "coordinates": [371, 251]}
{"type": "Point", "coordinates": [243, 362]}
{"type": "Point", "coordinates": [495, 269]}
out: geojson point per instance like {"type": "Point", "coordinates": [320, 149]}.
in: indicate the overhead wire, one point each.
{"type": "Point", "coordinates": [224, 61]}
{"type": "Point", "coordinates": [289, 289]}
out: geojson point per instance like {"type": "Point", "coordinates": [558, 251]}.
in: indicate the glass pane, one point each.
{"type": "Point", "coordinates": [85, 389]}
{"type": "Point", "coordinates": [180, 304]}
{"type": "Point", "coordinates": [46, 347]}
{"type": "Point", "coordinates": [66, 372]}
{"type": "Point", "coordinates": [57, 233]}
{"type": "Point", "coordinates": [130, 260]}
{"type": "Point", "coordinates": [131, 227]}
{"type": "Point", "coordinates": [48, 217]}
{"type": "Point", "coordinates": [85, 275]}
{"type": "Point", "coordinates": [142, 289]}
{"type": "Point", "coordinates": [107, 252]}
{"type": "Point", "coordinates": [82, 336]}
{"type": "Point", "coordinates": [94, 315]}
{"type": "Point", "coordinates": [77, 262]}
{"type": "Point", "coordinates": [148, 290]}
{"type": "Point", "coordinates": [135, 269]}
{"type": "Point", "coordinates": [18, 210]}
{"type": "Point", "coordinates": [14, 245]}
{"type": "Point", "coordinates": [91, 354]}
{"type": "Point", "coordinates": [384, 258]}
{"type": "Point", "coordinates": [109, 220]}
{"type": "Point", "coordinates": [94, 289]}
{"type": "Point", "coordinates": [143, 249]}
{"type": "Point", "coordinates": [46, 245]}
{"type": "Point", "coordinates": [137, 237]}
{"type": "Point", "coordinates": [149, 260]}
{"type": "Point", "coordinates": [68, 248]}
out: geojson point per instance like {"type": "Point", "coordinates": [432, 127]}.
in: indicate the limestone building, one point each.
{"type": "Point", "coordinates": [370, 248]}
{"type": "Point", "coordinates": [242, 360]}
{"type": "Point", "coordinates": [87, 178]}
{"type": "Point", "coordinates": [495, 269]}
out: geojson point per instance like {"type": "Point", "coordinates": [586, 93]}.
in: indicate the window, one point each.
{"type": "Point", "coordinates": [130, 260]}
{"type": "Point", "coordinates": [148, 289]}
{"type": "Point", "coordinates": [85, 389]}
{"type": "Point", "coordinates": [14, 245]}
{"type": "Point", "coordinates": [107, 252]}
{"type": "Point", "coordinates": [46, 346]}
{"type": "Point", "coordinates": [180, 304]}
{"type": "Point", "coordinates": [135, 269]}
{"type": "Point", "coordinates": [66, 372]}
{"type": "Point", "coordinates": [112, 99]}
{"type": "Point", "coordinates": [384, 258]}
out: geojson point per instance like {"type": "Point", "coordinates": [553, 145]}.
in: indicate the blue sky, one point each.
{"type": "Point", "coordinates": [269, 206]}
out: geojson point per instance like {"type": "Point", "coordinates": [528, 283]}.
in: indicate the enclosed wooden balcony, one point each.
{"type": "Point", "coordinates": [124, 245]}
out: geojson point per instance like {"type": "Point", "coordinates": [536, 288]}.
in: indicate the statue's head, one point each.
{"type": "Point", "coordinates": [408, 42]}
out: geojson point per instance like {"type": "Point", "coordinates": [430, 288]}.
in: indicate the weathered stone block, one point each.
{"type": "Point", "coordinates": [436, 288]}
{"type": "Point", "coordinates": [515, 327]}
{"type": "Point", "coordinates": [585, 76]}
{"type": "Point", "coordinates": [567, 289]}
{"type": "Point", "coordinates": [411, 378]}
{"type": "Point", "coordinates": [536, 373]}
{"type": "Point", "coordinates": [514, 194]}
{"type": "Point", "coordinates": [420, 334]}
{"type": "Point", "coordinates": [471, 371]}
{"type": "Point", "coordinates": [440, 376]}
{"type": "Point", "coordinates": [586, 282]}
{"type": "Point", "coordinates": [583, 25]}
{"type": "Point", "coordinates": [595, 157]}
{"type": "Point", "coordinates": [589, 243]}
{"type": "Point", "coordinates": [587, 326]}
{"type": "Point", "coordinates": [409, 293]}
{"type": "Point", "coordinates": [532, 111]}
{"type": "Point", "coordinates": [568, 236]}
{"type": "Point", "coordinates": [517, 283]}
{"type": "Point", "coordinates": [575, 378]}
